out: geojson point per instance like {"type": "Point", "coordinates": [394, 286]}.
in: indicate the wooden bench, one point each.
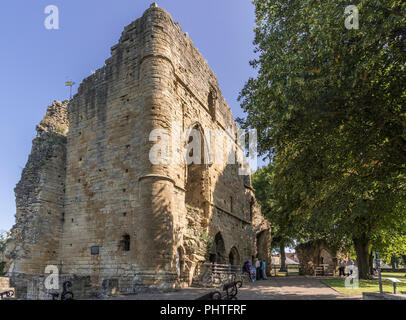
{"type": "Point", "coordinates": [229, 292]}
{"type": "Point", "coordinates": [323, 270]}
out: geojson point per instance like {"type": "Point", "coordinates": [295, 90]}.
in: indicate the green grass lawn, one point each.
{"type": "Point", "coordinates": [370, 285]}
{"type": "Point", "coordinates": [292, 271]}
{"type": "Point", "coordinates": [398, 275]}
{"type": "Point", "coordinates": [284, 274]}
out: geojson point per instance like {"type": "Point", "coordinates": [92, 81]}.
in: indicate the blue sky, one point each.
{"type": "Point", "coordinates": [36, 62]}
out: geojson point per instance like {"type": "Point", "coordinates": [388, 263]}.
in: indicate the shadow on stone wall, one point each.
{"type": "Point", "coordinates": [237, 229]}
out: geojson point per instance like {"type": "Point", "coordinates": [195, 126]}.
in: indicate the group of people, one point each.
{"type": "Point", "coordinates": [342, 265]}
{"type": "Point", "coordinates": [256, 271]}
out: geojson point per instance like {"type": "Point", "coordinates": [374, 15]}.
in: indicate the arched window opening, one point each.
{"type": "Point", "coordinates": [234, 257]}
{"type": "Point", "coordinates": [325, 257]}
{"type": "Point", "coordinates": [195, 171]}
{"type": "Point", "coordinates": [218, 251]}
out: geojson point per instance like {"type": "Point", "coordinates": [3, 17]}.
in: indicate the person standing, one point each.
{"type": "Point", "coordinates": [252, 270]}
{"type": "Point", "coordinates": [258, 268]}
{"type": "Point", "coordinates": [341, 267]}
{"type": "Point", "coordinates": [247, 269]}
{"type": "Point", "coordinates": [263, 268]}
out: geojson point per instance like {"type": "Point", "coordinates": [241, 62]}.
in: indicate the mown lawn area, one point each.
{"type": "Point", "coordinates": [292, 271]}
{"type": "Point", "coordinates": [369, 285]}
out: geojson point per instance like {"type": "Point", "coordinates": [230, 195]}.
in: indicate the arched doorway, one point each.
{"type": "Point", "coordinates": [195, 175]}
{"type": "Point", "coordinates": [234, 257]}
{"type": "Point", "coordinates": [325, 257]}
{"type": "Point", "coordinates": [262, 245]}
{"type": "Point", "coordinates": [218, 250]}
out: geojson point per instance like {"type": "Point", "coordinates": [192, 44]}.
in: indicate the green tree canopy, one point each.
{"type": "Point", "coordinates": [286, 229]}
{"type": "Point", "coordinates": [3, 239]}
{"type": "Point", "coordinates": [329, 105]}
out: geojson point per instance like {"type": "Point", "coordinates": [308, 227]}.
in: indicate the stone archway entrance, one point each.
{"type": "Point", "coordinates": [262, 245]}
{"type": "Point", "coordinates": [195, 195]}
{"type": "Point", "coordinates": [179, 262]}
{"type": "Point", "coordinates": [325, 257]}
{"type": "Point", "coordinates": [218, 250]}
{"type": "Point", "coordinates": [234, 257]}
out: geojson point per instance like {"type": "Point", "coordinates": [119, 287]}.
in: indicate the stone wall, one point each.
{"type": "Point", "coordinates": [32, 287]}
{"type": "Point", "coordinates": [155, 79]}
{"type": "Point", "coordinates": [128, 224]}
{"type": "Point", "coordinates": [34, 239]}
{"type": "Point", "coordinates": [310, 256]}
{"type": "Point", "coordinates": [5, 285]}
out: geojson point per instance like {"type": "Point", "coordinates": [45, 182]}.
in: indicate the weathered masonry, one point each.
{"type": "Point", "coordinates": [91, 202]}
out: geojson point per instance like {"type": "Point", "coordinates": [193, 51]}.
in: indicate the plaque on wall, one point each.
{"type": "Point", "coordinates": [94, 250]}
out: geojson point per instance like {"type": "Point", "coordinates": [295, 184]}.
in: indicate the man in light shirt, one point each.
{"type": "Point", "coordinates": [263, 269]}
{"type": "Point", "coordinates": [258, 267]}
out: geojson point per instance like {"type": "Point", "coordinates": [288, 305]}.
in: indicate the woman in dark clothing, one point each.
{"type": "Point", "coordinates": [247, 269]}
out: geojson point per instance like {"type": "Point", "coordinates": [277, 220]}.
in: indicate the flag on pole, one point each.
{"type": "Point", "coordinates": [70, 85]}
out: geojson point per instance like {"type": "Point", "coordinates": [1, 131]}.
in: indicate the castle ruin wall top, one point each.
{"type": "Point", "coordinates": [156, 34]}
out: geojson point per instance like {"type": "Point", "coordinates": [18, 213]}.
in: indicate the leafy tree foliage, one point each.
{"type": "Point", "coordinates": [329, 105]}
{"type": "Point", "coordinates": [391, 240]}
{"type": "Point", "coordinates": [284, 228]}
{"type": "Point", "coordinates": [3, 239]}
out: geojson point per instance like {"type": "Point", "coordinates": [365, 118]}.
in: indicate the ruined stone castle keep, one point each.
{"type": "Point", "coordinates": [91, 202]}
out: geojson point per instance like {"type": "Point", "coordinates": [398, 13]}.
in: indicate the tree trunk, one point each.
{"type": "Point", "coordinates": [283, 258]}
{"type": "Point", "coordinates": [361, 245]}
{"type": "Point", "coordinates": [371, 262]}
{"type": "Point", "coordinates": [393, 263]}
{"type": "Point", "coordinates": [404, 260]}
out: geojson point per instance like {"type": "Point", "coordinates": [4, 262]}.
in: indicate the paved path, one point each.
{"type": "Point", "coordinates": [279, 288]}
{"type": "Point", "coordinates": [291, 288]}
{"type": "Point", "coordinates": [182, 294]}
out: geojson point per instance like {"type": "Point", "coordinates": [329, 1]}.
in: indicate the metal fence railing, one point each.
{"type": "Point", "coordinates": [219, 274]}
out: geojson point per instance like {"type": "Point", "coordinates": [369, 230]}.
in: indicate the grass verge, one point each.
{"type": "Point", "coordinates": [369, 285]}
